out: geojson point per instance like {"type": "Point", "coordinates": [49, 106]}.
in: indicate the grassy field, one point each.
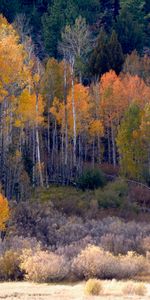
{"type": "Point", "coordinates": [31, 291]}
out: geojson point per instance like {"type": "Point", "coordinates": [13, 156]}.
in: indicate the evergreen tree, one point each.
{"type": "Point", "coordinates": [58, 15]}
{"type": "Point", "coordinates": [10, 8]}
{"type": "Point", "coordinates": [106, 55]}
{"type": "Point", "coordinates": [130, 32]}
{"type": "Point", "coordinates": [99, 59]}
{"type": "Point", "coordinates": [89, 9]}
{"type": "Point", "coordinates": [116, 57]}
{"type": "Point", "coordinates": [106, 7]}
{"type": "Point", "coordinates": [116, 8]}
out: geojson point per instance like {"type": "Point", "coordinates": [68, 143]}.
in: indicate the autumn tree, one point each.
{"type": "Point", "coordinates": [112, 108]}
{"type": "Point", "coordinates": [130, 146]}
{"type": "Point", "coordinates": [4, 212]}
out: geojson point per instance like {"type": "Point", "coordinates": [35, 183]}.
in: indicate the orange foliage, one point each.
{"type": "Point", "coordinates": [82, 106]}
{"type": "Point", "coordinates": [113, 103]}
{"type": "Point", "coordinates": [4, 212]}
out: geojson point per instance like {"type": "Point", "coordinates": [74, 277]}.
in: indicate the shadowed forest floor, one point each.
{"type": "Point", "coordinates": [26, 291]}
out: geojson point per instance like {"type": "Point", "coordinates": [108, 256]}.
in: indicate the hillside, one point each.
{"type": "Point", "coordinates": [75, 148]}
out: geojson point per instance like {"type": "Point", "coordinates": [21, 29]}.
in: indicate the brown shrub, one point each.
{"type": "Point", "coordinates": [131, 265]}
{"type": "Point", "coordinates": [9, 266]}
{"type": "Point", "coordinates": [95, 262]}
{"type": "Point", "coordinates": [139, 194]}
{"type": "Point", "coordinates": [43, 266]}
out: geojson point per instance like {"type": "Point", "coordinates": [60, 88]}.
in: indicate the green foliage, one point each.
{"type": "Point", "coordinates": [58, 15]}
{"type": "Point", "coordinates": [106, 55]}
{"type": "Point", "coordinates": [130, 32]}
{"type": "Point", "coordinates": [113, 195]}
{"type": "Point", "coordinates": [91, 180]}
{"type": "Point", "coordinates": [116, 57]}
{"type": "Point", "coordinates": [10, 8]}
{"type": "Point", "coordinates": [130, 143]}
{"type": "Point", "coordinates": [99, 59]}
{"type": "Point", "coordinates": [67, 199]}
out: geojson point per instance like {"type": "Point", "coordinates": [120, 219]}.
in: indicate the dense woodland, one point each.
{"type": "Point", "coordinates": [74, 90]}
{"type": "Point", "coordinates": [75, 140]}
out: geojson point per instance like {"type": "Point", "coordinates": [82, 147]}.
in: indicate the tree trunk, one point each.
{"type": "Point", "coordinates": [74, 115]}
{"type": "Point", "coordinates": [113, 146]}
{"type": "Point", "coordinates": [38, 145]}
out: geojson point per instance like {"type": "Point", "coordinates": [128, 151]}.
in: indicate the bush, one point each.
{"type": "Point", "coordinates": [9, 266]}
{"type": "Point", "coordinates": [44, 266]}
{"type": "Point", "coordinates": [131, 265]}
{"type": "Point", "coordinates": [93, 287]}
{"type": "Point", "coordinates": [95, 262]}
{"type": "Point", "coordinates": [91, 180]}
{"type": "Point", "coordinates": [113, 195]}
{"type": "Point", "coordinates": [133, 288]}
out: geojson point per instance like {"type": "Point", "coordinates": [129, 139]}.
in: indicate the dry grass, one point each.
{"type": "Point", "coordinates": [29, 291]}
{"type": "Point", "coordinates": [135, 288]}
{"type": "Point", "coordinates": [93, 287]}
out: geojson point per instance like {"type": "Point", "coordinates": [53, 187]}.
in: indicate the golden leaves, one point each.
{"type": "Point", "coordinates": [4, 212]}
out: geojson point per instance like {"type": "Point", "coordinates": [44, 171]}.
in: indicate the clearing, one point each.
{"type": "Point", "coordinates": [31, 291]}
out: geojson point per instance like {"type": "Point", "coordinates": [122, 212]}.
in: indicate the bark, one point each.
{"type": "Point", "coordinates": [38, 146]}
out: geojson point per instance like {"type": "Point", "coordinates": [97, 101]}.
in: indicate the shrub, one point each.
{"type": "Point", "coordinates": [91, 180]}
{"type": "Point", "coordinates": [131, 265]}
{"type": "Point", "coordinates": [9, 266]}
{"type": "Point", "coordinates": [44, 266]}
{"type": "Point", "coordinates": [139, 194]}
{"type": "Point", "coordinates": [93, 287]}
{"type": "Point", "coordinates": [113, 195]}
{"type": "Point", "coordinates": [95, 262]}
{"type": "Point", "coordinates": [145, 244]}
{"type": "Point", "coordinates": [133, 288]}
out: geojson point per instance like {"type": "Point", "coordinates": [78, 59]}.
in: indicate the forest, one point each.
{"type": "Point", "coordinates": [75, 141]}
{"type": "Point", "coordinates": [74, 82]}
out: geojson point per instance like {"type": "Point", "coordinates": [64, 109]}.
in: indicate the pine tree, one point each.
{"type": "Point", "coordinates": [116, 8]}
{"type": "Point", "coordinates": [99, 63]}
{"type": "Point", "coordinates": [10, 8]}
{"type": "Point", "coordinates": [116, 57]}
{"type": "Point", "coordinates": [130, 32]}
{"type": "Point", "coordinates": [107, 55]}
{"type": "Point", "coordinates": [58, 15]}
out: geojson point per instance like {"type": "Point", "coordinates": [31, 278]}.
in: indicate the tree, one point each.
{"type": "Point", "coordinates": [113, 105]}
{"type": "Point", "coordinates": [145, 133]}
{"type": "Point", "coordinates": [10, 8]}
{"type": "Point", "coordinates": [107, 8]}
{"type": "Point", "coordinates": [4, 212]}
{"type": "Point", "coordinates": [107, 55]}
{"type": "Point", "coordinates": [54, 20]}
{"type": "Point", "coordinates": [76, 44]}
{"type": "Point", "coordinates": [138, 65]}
{"type": "Point", "coordinates": [99, 63]}
{"type": "Point", "coordinates": [130, 32]}
{"type": "Point", "coordinates": [116, 57]}
{"type": "Point", "coordinates": [130, 146]}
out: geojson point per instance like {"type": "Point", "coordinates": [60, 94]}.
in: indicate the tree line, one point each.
{"type": "Point", "coordinates": [47, 18]}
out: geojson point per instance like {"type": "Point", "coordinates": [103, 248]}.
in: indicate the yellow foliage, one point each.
{"type": "Point", "coordinates": [4, 212]}
{"type": "Point", "coordinates": [82, 108]}
{"type": "Point", "coordinates": [96, 128]}
{"type": "Point", "coordinates": [28, 110]}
